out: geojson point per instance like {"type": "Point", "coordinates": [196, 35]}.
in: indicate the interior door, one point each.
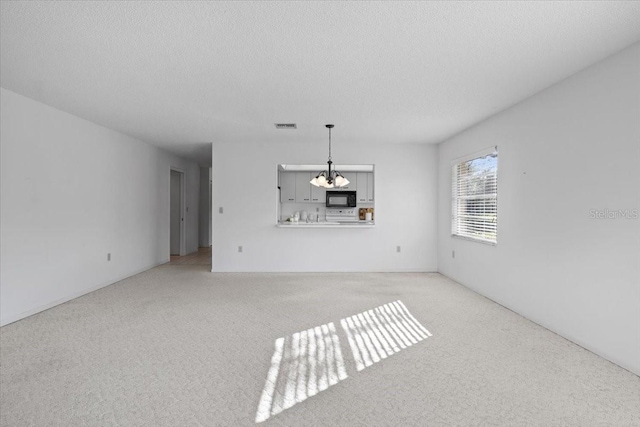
{"type": "Point", "coordinates": [175, 214]}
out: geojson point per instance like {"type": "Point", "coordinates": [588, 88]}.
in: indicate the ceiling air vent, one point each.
{"type": "Point", "coordinates": [286, 126]}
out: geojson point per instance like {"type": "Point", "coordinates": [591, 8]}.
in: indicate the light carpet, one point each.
{"type": "Point", "coordinates": [178, 346]}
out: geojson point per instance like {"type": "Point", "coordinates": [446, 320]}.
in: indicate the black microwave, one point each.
{"type": "Point", "coordinates": [341, 199]}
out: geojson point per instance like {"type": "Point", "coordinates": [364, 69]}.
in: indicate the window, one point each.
{"type": "Point", "coordinates": [474, 210]}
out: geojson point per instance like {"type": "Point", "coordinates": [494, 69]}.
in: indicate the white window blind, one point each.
{"type": "Point", "coordinates": [474, 207]}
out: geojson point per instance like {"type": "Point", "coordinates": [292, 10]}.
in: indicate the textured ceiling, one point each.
{"type": "Point", "coordinates": [180, 75]}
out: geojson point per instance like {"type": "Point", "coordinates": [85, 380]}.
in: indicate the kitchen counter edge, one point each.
{"type": "Point", "coordinates": [363, 224]}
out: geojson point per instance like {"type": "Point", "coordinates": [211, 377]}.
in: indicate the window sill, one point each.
{"type": "Point", "coordinates": [471, 239]}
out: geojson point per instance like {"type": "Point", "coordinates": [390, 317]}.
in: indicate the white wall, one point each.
{"type": "Point", "coordinates": [570, 149]}
{"type": "Point", "coordinates": [245, 185]}
{"type": "Point", "coordinates": [73, 191]}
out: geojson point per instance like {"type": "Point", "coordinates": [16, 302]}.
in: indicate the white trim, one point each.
{"type": "Point", "coordinates": [472, 239]}
{"type": "Point", "coordinates": [317, 168]}
{"type": "Point", "coordinates": [394, 270]}
{"type": "Point", "coordinates": [278, 197]}
{"type": "Point", "coordinates": [214, 207]}
{"type": "Point", "coordinates": [478, 154]}
{"type": "Point", "coordinates": [10, 319]}
{"type": "Point", "coordinates": [183, 207]}
{"type": "Point", "coordinates": [321, 225]}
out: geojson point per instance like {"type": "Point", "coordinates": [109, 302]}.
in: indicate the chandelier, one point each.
{"type": "Point", "coordinates": [329, 178]}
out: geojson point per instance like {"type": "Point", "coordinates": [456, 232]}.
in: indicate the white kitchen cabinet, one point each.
{"type": "Point", "coordinates": [296, 188]}
{"type": "Point", "coordinates": [364, 188]}
{"type": "Point", "coordinates": [352, 177]}
{"type": "Point", "coordinates": [318, 194]}
{"type": "Point", "coordinates": [303, 187]}
{"type": "Point", "coordinates": [361, 187]}
{"type": "Point", "coordinates": [287, 187]}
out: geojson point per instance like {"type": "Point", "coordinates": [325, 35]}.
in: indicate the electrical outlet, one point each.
{"type": "Point", "coordinates": [221, 210]}
{"type": "Point", "coordinates": [109, 256]}
{"type": "Point", "coordinates": [398, 249]}
{"type": "Point", "coordinates": [240, 249]}
{"type": "Point", "coordinates": [453, 254]}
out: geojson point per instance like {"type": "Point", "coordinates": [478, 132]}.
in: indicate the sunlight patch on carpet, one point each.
{"type": "Point", "coordinates": [378, 333]}
{"type": "Point", "coordinates": [310, 361]}
{"type": "Point", "coordinates": [302, 365]}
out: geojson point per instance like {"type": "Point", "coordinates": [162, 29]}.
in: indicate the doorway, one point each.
{"type": "Point", "coordinates": [176, 213]}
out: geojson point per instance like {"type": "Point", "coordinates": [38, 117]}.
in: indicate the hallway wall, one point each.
{"type": "Point", "coordinates": [72, 193]}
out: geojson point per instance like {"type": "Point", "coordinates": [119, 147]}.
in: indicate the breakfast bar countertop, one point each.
{"type": "Point", "coordinates": [327, 224]}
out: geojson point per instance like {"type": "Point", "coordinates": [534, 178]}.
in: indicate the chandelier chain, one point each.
{"type": "Point", "coordinates": [329, 143]}
{"type": "Point", "coordinates": [329, 178]}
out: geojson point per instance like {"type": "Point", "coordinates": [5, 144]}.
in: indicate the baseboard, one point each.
{"type": "Point", "coordinates": [401, 270]}
{"type": "Point", "coordinates": [10, 319]}
{"type": "Point", "coordinates": [552, 328]}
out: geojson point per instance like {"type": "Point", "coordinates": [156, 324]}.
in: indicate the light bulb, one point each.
{"type": "Point", "coordinates": [322, 180]}
{"type": "Point", "coordinates": [345, 181]}
{"type": "Point", "coordinates": [339, 180]}
{"type": "Point", "coordinates": [314, 181]}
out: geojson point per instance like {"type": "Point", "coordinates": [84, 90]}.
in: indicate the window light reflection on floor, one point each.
{"type": "Point", "coordinates": [378, 333]}
{"type": "Point", "coordinates": [302, 365]}
{"type": "Point", "coordinates": [311, 361]}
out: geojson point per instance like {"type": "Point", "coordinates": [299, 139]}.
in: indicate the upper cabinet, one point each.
{"type": "Point", "coordinates": [369, 187]}
{"type": "Point", "coordinates": [303, 187]}
{"type": "Point", "coordinates": [364, 189]}
{"type": "Point", "coordinates": [296, 188]}
{"type": "Point", "coordinates": [287, 187]}
{"type": "Point", "coordinates": [361, 187]}
{"type": "Point", "coordinates": [352, 177]}
{"type": "Point", "coordinates": [318, 194]}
